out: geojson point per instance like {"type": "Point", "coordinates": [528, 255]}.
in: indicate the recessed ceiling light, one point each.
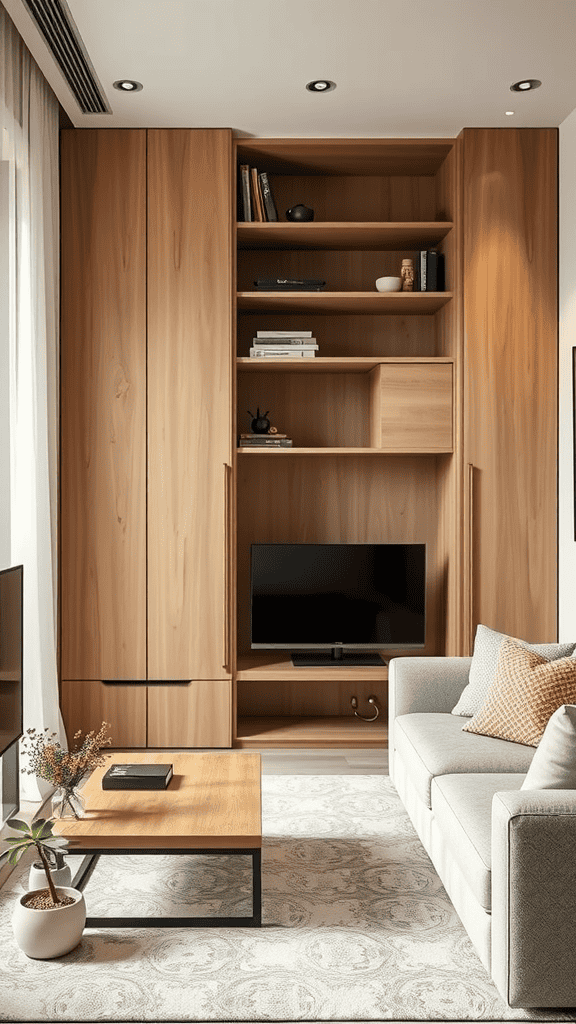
{"type": "Point", "coordinates": [525, 84]}
{"type": "Point", "coordinates": [321, 85]}
{"type": "Point", "coordinates": [509, 113]}
{"type": "Point", "coordinates": [127, 85]}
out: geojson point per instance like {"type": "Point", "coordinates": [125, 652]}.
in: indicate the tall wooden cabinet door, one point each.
{"type": "Point", "coordinates": [103, 404]}
{"type": "Point", "coordinates": [190, 273]}
{"type": "Point", "coordinates": [511, 342]}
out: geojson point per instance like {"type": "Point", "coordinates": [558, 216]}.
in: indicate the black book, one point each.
{"type": "Point", "coordinates": [267, 197]}
{"type": "Point", "coordinates": [137, 776]}
{"type": "Point", "coordinates": [244, 190]}
{"type": "Point", "coordinates": [431, 267]}
{"type": "Point", "coordinates": [286, 284]}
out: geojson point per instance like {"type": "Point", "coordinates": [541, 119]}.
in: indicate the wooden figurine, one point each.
{"type": "Point", "coordinates": [407, 275]}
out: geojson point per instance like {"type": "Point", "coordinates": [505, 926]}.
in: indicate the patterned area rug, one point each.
{"type": "Point", "coordinates": [356, 927]}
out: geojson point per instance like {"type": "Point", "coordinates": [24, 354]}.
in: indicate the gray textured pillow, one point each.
{"type": "Point", "coordinates": [484, 661]}
{"type": "Point", "coordinates": [554, 763]}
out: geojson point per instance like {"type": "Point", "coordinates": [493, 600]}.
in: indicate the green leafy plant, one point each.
{"type": "Point", "coordinates": [40, 835]}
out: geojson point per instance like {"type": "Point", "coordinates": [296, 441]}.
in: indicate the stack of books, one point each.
{"type": "Point", "coordinates": [283, 345]}
{"type": "Point", "coordinates": [289, 284]}
{"type": "Point", "coordinates": [264, 441]}
{"type": "Point", "coordinates": [255, 199]}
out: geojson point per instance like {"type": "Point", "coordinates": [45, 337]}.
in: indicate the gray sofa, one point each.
{"type": "Point", "coordinates": [507, 858]}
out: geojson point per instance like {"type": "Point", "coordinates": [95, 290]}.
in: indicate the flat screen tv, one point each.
{"type": "Point", "coordinates": [337, 603]}
{"type": "Point", "coordinates": [11, 645]}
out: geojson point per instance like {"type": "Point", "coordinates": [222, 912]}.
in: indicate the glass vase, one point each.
{"type": "Point", "coordinates": [67, 802]}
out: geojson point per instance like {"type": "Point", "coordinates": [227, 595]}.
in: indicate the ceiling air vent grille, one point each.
{"type": "Point", "coordinates": [63, 40]}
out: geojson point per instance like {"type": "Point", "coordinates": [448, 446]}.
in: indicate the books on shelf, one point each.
{"type": "Point", "coordinates": [284, 342]}
{"type": "Point", "coordinates": [137, 776]}
{"type": "Point", "coordinates": [255, 197]}
{"type": "Point", "coordinates": [284, 334]}
{"type": "Point", "coordinates": [289, 284]}
{"type": "Point", "coordinates": [286, 352]}
{"type": "Point", "coordinates": [265, 441]}
{"type": "Point", "coordinates": [431, 271]}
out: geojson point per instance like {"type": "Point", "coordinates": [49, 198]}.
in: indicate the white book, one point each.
{"type": "Point", "coordinates": [283, 334]}
{"type": "Point", "coordinates": [286, 341]}
{"type": "Point", "coordinates": [274, 346]}
{"type": "Point", "coordinates": [287, 353]}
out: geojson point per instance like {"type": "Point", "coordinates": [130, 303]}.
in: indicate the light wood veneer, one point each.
{"type": "Point", "coordinates": [213, 800]}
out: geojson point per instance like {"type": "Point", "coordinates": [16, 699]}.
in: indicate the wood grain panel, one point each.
{"type": "Point", "coordinates": [189, 400]}
{"type": "Point", "coordinates": [88, 703]}
{"type": "Point", "coordinates": [330, 157]}
{"type": "Point", "coordinates": [411, 405]}
{"type": "Point", "coordinates": [194, 714]}
{"type": "Point", "coordinates": [510, 323]}
{"type": "Point", "coordinates": [103, 405]}
{"type": "Point", "coordinates": [310, 731]}
{"type": "Point", "coordinates": [301, 698]}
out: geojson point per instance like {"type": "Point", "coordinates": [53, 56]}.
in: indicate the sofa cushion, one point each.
{"type": "Point", "coordinates": [526, 691]}
{"type": "Point", "coordinates": [484, 661]}
{"type": "Point", "coordinates": [462, 806]}
{"type": "Point", "coordinates": [433, 744]}
{"type": "Point", "coordinates": [554, 763]}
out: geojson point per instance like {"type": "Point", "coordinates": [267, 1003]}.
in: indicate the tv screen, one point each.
{"type": "Point", "coordinates": [338, 598]}
{"type": "Point", "coordinates": [11, 641]}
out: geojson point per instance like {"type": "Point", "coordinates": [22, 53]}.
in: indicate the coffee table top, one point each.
{"type": "Point", "coordinates": [213, 801]}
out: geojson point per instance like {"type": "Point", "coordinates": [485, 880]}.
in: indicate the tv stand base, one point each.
{"type": "Point", "coordinates": [335, 657]}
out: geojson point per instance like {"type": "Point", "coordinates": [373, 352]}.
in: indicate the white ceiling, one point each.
{"type": "Point", "coordinates": [402, 67]}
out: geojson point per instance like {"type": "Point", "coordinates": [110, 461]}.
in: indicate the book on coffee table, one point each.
{"type": "Point", "coordinates": [137, 776]}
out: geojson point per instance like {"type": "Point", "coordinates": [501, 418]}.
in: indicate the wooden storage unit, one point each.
{"type": "Point", "coordinates": [355, 473]}
{"type": "Point", "coordinates": [147, 383]}
{"type": "Point", "coordinates": [425, 417]}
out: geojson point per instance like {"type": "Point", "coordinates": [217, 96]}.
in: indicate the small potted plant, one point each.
{"type": "Point", "coordinates": [66, 770]}
{"type": "Point", "coordinates": [47, 922]}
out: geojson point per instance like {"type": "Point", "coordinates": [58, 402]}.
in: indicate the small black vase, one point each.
{"type": "Point", "coordinates": [260, 424]}
{"type": "Point", "coordinates": [300, 213]}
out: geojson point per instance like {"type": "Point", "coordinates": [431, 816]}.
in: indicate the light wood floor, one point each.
{"type": "Point", "coordinates": [325, 762]}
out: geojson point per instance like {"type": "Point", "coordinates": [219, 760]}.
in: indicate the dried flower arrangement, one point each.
{"type": "Point", "coordinates": [64, 768]}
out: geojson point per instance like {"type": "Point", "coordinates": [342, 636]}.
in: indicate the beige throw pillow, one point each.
{"type": "Point", "coordinates": [554, 763]}
{"type": "Point", "coordinates": [527, 689]}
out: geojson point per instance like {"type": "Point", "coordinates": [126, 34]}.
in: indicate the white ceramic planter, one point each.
{"type": "Point", "coordinates": [37, 876]}
{"type": "Point", "coordinates": [45, 934]}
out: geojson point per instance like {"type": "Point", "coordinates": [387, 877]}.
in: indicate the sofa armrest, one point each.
{"type": "Point", "coordinates": [534, 897]}
{"type": "Point", "coordinates": [425, 684]}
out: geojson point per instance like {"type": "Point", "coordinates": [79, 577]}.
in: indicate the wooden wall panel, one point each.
{"type": "Point", "coordinates": [103, 405]}
{"type": "Point", "coordinates": [510, 333]}
{"type": "Point", "coordinates": [190, 270]}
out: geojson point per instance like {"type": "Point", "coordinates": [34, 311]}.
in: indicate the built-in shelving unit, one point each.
{"type": "Point", "coordinates": [373, 416]}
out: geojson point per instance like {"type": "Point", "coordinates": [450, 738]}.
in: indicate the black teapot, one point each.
{"type": "Point", "coordinates": [300, 213]}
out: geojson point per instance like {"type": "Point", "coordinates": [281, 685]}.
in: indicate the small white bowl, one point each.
{"type": "Point", "coordinates": [389, 284]}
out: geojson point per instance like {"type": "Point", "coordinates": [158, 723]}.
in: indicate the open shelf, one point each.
{"type": "Point", "coordinates": [253, 451]}
{"type": "Point", "coordinates": [309, 731]}
{"type": "Point", "coordinates": [328, 364]}
{"type": "Point", "coordinates": [400, 303]}
{"type": "Point", "coordinates": [277, 666]}
{"type": "Point", "coordinates": [342, 235]}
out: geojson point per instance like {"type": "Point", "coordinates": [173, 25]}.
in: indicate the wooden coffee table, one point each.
{"type": "Point", "coordinates": [212, 805]}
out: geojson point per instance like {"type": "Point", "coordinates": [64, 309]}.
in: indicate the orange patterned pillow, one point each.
{"type": "Point", "coordinates": [526, 690]}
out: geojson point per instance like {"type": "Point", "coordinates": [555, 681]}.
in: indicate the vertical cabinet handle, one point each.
{"type": "Point", "coordinates": [226, 548]}
{"type": "Point", "coordinates": [470, 559]}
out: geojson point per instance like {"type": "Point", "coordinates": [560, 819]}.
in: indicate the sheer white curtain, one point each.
{"type": "Point", "coordinates": [29, 122]}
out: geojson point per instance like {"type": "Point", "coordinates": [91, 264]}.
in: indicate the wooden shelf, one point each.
{"type": "Point", "coordinates": [399, 303]}
{"type": "Point", "coordinates": [331, 364]}
{"type": "Point", "coordinates": [277, 666]}
{"type": "Point", "coordinates": [311, 732]}
{"type": "Point", "coordinates": [342, 235]}
{"type": "Point", "coordinates": [343, 451]}
{"type": "Point", "coordinates": [346, 156]}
